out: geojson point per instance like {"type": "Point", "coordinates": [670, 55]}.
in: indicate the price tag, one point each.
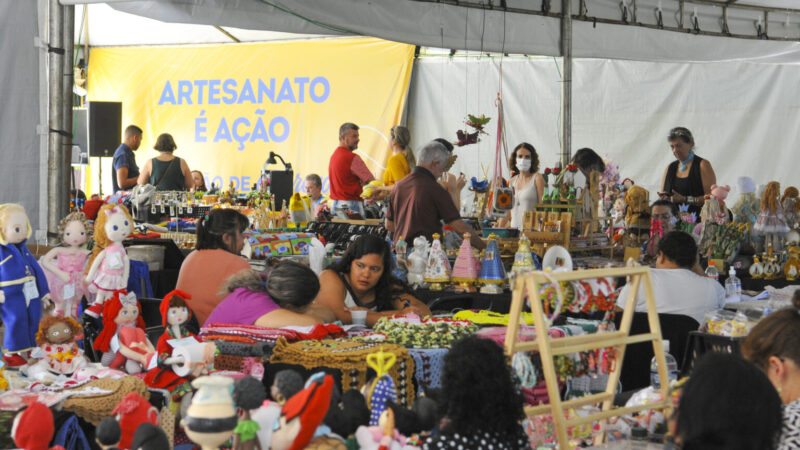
{"type": "Point", "coordinates": [30, 291]}
{"type": "Point", "coordinates": [69, 291]}
{"type": "Point", "coordinates": [115, 261]}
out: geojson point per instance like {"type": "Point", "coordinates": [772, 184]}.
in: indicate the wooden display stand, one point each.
{"type": "Point", "coordinates": [548, 347]}
{"type": "Point", "coordinates": [534, 226]}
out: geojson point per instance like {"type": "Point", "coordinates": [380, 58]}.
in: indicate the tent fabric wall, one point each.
{"type": "Point", "coordinates": [449, 26]}
{"type": "Point", "coordinates": [21, 172]}
{"type": "Point", "coordinates": [743, 115]}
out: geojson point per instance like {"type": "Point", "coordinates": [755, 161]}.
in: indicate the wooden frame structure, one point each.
{"type": "Point", "coordinates": [549, 347]}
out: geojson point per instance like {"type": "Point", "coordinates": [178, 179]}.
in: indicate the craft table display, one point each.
{"type": "Point", "coordinates": [350, 358]}
{"type": "Point", "coordinates": [549, 349]}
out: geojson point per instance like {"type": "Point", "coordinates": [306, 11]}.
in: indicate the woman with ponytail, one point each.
{"type": "Point", "coordinates": [402, 160]}
{"type": "Point", "coordinates": [216, 257]}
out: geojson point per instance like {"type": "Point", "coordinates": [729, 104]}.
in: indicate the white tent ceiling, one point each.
{"type": "Point", "coordinates": [523, 28]}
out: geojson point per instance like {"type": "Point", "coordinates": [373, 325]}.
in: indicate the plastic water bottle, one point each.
{"type": "Point", "coordinates": [733, 287]}
{"type": "Point", "coordinates": [672, 367]}
{"type": "Point", "coordinates": [711, 271]}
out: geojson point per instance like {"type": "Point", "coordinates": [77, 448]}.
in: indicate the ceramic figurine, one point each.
{"type": "Point", "coordinates": [771, 221]}
{"type": "Point", "coordinates": [437, 269]}
{"type": "Point", "coordinates": [58, 352]}
{"type": "Point", "coordinates": [211, 418]}
{"type": "Point", "coordinates": [756, 269]}
{"type": "Point", "coordinates": [492, 274]}
{"type": "Point", "coordinates": [64, 265]}
{"type": "Point", "coordinates": [123, 340]}
{"type": "Point", "coordinates": [23, 286]}
{"type": "Point", "coordinates": [110, 265]}
{"type": "Point", "coordinates": [417, 261]}
{"type": "Point", "coordinates": [466, 267]}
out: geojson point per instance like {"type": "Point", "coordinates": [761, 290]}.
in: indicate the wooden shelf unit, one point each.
{"type": "Point", "coordinates": [549, 347]}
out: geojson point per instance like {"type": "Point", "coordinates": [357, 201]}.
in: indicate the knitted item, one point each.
{"type": "Point", "coordinates": [252, 333]}
{"type": "Point", "coordinates": [428, 366]}
{"type": "Point", "coordinates": [261, 349]}
{"type": "Point", "coordinates": [94, 408]}
{"type": "Point", "coordinates": [351, 359]}
{"type": "Point", "coordinates": [228, 362]}
{"type": "Point", "coordinates": [166, 421]}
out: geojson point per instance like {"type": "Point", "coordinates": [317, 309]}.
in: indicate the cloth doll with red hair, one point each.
{"type": "Point", "coordinates": [123, 340]}
{"type": "Point", "coordinates": [132, 411]}
{"type": "Point", "coordinates": [33, 428]}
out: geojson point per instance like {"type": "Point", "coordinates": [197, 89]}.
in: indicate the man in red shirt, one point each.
{"type": "Point", "coordinates": [347, 172]}
{"type": "Point", "coordinates": [419, 205]}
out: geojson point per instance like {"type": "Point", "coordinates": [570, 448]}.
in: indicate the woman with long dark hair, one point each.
{"type": "Point", "coordinates": [363, 280]}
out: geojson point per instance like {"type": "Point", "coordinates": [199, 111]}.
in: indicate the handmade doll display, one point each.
{"type": "Point", "coordinates": [770, 222]}
{"type": "Point", "coordinates": [64, 265]}
{"type": "Point", "coordinates": [287, 382]}
{"type": "Point", "coordinates": [747, 206]}
{"type": "Point", "coordinates": [382, 436]}
{"type": "Point", "coordinates": [381, 389]}
{"type": "Point", "coordinates": [713, 215]}
{"type": "Point", "coordinates": [132, 411]}
{"type": "Point", "coordinates": [175, 315]}
{"type": "Point", "coordinates": [123, 341]}
{"type": "Point", "coordinates": [302, 414]}
{"type": "Point", "coordinates": [110, 266]}
{"type": "Point", "coordinates": [58, 352]}
{"type": "Point", "coordinates": [790, 205]}
{"type": "Point", "coordinates": [33, 428]}
{"type": "Point", "coordinates": [23, 286]}
{"type": "Point", "coordinates": [248, 394]}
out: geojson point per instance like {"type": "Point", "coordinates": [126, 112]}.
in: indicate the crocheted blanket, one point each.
{"type": "Point", "coordinates": [351, 359]}
{"type": "Point", "coordinates": [251, 334]}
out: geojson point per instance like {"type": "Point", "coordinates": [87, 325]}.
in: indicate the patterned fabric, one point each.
{"type": "Point", "coordinates": [253, 334]}
{"type": "Point", "coordinates": [428, 366]}
{"type": "Point", "coordinates": [261, 349]}
{"type": "Point", "coordinates": [790, 434]}
{"type": "Point", "coordinates": [482, 440]}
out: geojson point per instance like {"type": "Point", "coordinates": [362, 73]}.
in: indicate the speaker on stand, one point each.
{"type": "Point", "coordinates": [105, 132]}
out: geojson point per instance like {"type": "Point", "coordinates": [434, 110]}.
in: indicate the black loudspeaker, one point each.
{"type": "Point", "coordinates": [280, 185]}
{"type": "Point", "coordinates": [105, 128]}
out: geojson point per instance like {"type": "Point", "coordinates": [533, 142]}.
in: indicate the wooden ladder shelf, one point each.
{"type": "Point", "coordinates": [549, 347]}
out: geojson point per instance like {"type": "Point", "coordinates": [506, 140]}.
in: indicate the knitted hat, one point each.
{"type": "Point", "coordinates": [134, 411]}
{"type": "Point", "coordinates": [164, 306]}
{"type": "Point", "coordinates": [34, 427]}
{"type": "Point", "coordinates": [746, 185]}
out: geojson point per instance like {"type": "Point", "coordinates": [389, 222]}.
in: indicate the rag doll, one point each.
{"type": "Point", "coordinates": [248, 394]}
{"type": "Point", "coordinates": [107, 434]}
{"type": "Point", "coordinates": [382, 436]}
{"type": "Point", "coordinates": [790, 205]}
{"type": "Point", "coordinates": [109, 264]}
{"type": "Point", "coordinates": [33, 428]}
{"type": "Point", "coordinates": [23, 286]}
{"type": "Point", "coordinates": [770, 222]}
{"type": "Point", "coordinates": [132, 411]}
{"type": "Point", "coordinates": [713, 215]}
{"type": "Point", "coordinates": [64, 265]}
{"type": "Point", "coordinates": [175, 315]}
{"type": "Point", "coordinates": [302, 414]}
{"type": "Point", "coordinates": [123, 340]}
{"type": "Point", "coordinates": [58, 352]}
{"type": "Point", "coordinates": [746, 208]}
{"type": "Point", "coordinates": [286, 383]}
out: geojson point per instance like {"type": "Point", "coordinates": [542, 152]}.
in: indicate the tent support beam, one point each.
{"type": "Point", "coordinates": [68, 81]}
{"type": "Point", "coordinates": [56, 172]}
{"type": "Point", "coordinates": [566, 83]}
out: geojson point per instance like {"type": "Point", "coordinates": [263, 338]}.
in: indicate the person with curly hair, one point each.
{"type": "Point", "coordinates": [362, 280]}
{"type": "Point", "coordinates": [481, 406]}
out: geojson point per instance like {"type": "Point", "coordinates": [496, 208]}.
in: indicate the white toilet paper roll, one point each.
{"type": "Point", "coordinates": [192, 354]}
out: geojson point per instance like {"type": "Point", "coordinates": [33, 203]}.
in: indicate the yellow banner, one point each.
{"type": "Point", "coordinates": [228, 106]}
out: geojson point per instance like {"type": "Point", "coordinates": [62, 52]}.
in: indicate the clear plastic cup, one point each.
{"type": "Point", "coordinates": [358, 317]}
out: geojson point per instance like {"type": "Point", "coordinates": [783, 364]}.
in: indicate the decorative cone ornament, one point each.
{"type": "Point", "coordinates": [523, 260]}
{"type": "Point", "coordinates": [466, 267]}
{"type": "Point", "coordinates": [492, 274]}
{"type": "Point", "coordinates": [437, 271]}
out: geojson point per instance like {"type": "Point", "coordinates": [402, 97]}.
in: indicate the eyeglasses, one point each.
{"type": "Point", "coordinates": [662, 217]}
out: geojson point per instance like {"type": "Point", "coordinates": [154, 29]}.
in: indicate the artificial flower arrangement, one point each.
{"type": "Point", "coordinates": [465, 137]}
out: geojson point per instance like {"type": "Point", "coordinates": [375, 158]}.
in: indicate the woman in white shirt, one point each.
{"type": "Point", "coordinates": [527, 182]}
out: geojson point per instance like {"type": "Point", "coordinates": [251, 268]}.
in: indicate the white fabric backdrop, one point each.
{"type": "Point", "coordinates": [744, 116]}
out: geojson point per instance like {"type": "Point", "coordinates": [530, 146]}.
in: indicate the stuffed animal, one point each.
{"type": "Point", "coordinates": [248, 394]}
{"type": "Point", "coordinates": [637, 215]}
{"type": "Point", "coordinates": [302, 414]}
{"type": "Point", "coordinates": [109, 265]}
{"type": "Point", "coordinates": [132, 411]}
{"type": "Point", "coordinates": [791, 206]}
{"type": "Point", "coordinates": [713, 215]}
{"type": "Point", "coordinates": [746, 208]}
{"type": "Point", "coordinates": [33, 428]}
{"type": "Point", "coordinates": [123, 340]}
{"type": "Point", "coordinates": [286, 383]}
{"type": "Point", "coordinates": [64, 265]}
{"type": "Point", "coordinates": [58, 352]}
{"type": "Point", "coordinates": [770, 222]}
{"type": "Point", "coordinates": [23, 286]}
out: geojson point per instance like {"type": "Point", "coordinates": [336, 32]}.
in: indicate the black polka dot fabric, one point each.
{"type": "Point", "coordinates": [485, 440]}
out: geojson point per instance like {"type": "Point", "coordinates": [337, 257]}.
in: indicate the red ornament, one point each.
{"type": "Point", "coordinates": [556, 170]}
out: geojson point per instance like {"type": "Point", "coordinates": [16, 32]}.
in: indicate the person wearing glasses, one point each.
{"type": "Point", "coordinates": [688, 179]}
{"type": "Point", "coordinates": [666, 212]}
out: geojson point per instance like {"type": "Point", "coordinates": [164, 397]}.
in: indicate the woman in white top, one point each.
{"type": "Point", "coordinates": [527, 182]}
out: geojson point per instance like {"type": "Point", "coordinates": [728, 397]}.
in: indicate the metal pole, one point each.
{"type": "Point", "coordinates": [55, 208]}
{"type": "Point", "coordinates": [566, 82]}
{"type": "Point", "coordinates": [68, 82]}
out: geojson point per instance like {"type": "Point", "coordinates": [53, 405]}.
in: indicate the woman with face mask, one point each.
{"type": "Point", "coordinates": [527, 183]}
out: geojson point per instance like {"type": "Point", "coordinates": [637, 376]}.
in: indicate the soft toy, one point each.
{"type": "Point", "coordinates": [23, 285]}
{"type": "Point", "coordinates": [637, 215]}
{"type": "Point", "coordinates": [132, 411]}
{"type": "Point", "coordinates": [58, 352]}
{"type": "Point", "coordinates": [286, 383]}
{"type": "Point", "coordinates": [302, 414]}
{"type": "Point", "coordinates": [248, 394]}
{"type": "Point", "coordinates": [746, 208]}
{"type": "Point", "coordinates": [108, 433]}
{"type": "Point", "coordinates": [149, 437]}
{"type": "Point", "coordinates": [63, 266]}
{"type": "Point", "coordinates": [33, 428]}
{"type": "Point", "coordinates": [713, 215]}
{"type": "Point", "coordinates": [381, 389]}
{"type": "Point", "coordinates": [109, 264]}
{"type": "Point", "coordinates": [770, 222]}
{"type": "Point", "coordinates": [384, 436]}
{"type": "Point", "coordinates": [791, 206]}
{"type": "Point", "coordinates": [123, 340]}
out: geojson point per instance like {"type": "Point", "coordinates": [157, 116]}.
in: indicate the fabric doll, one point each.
{"type": "Point", "coordinates": [63, 266]}
{"type": "Point", "coordinates": [33, 428]}
{"type": "Point", "coordinates": [747, 206]}
{"type": "Point", "coordinates": [58, 352]}
{"type": "Point", "coordinates": [770, 222]}
{"type": "Point", "coordinates": [713, 215]}
{"type": "Point", "coordinates": [302, 414]}
{"type": "Point", "coordinates": [149, 437]}
{"type": "Point", "coordinates": [248, 394]}
{"type": "Point", "coordinates": [175, 315]}
{"type": "Point", "coordinates": [123, 340]}
{"type": "Point", "coordinates": [286, 383]}
{"type": "Point", "coordinates": [790, 205]}
{"type": "Point", "coordinates": [382, 436]}
{"type": "Point", "coordinates": [23, 286]}
{"type": "Point", "coordinates": [108, 433]}
{"type": "Point", "coordinates": [109, 264]}
{"type": "Point", "coordinates": [132, 411]}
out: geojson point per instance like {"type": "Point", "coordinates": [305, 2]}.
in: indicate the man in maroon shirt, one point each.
{"type": "Point", "coordinates": [347, 172]}
{"type": "Point", "coordinates": [419, 204]}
